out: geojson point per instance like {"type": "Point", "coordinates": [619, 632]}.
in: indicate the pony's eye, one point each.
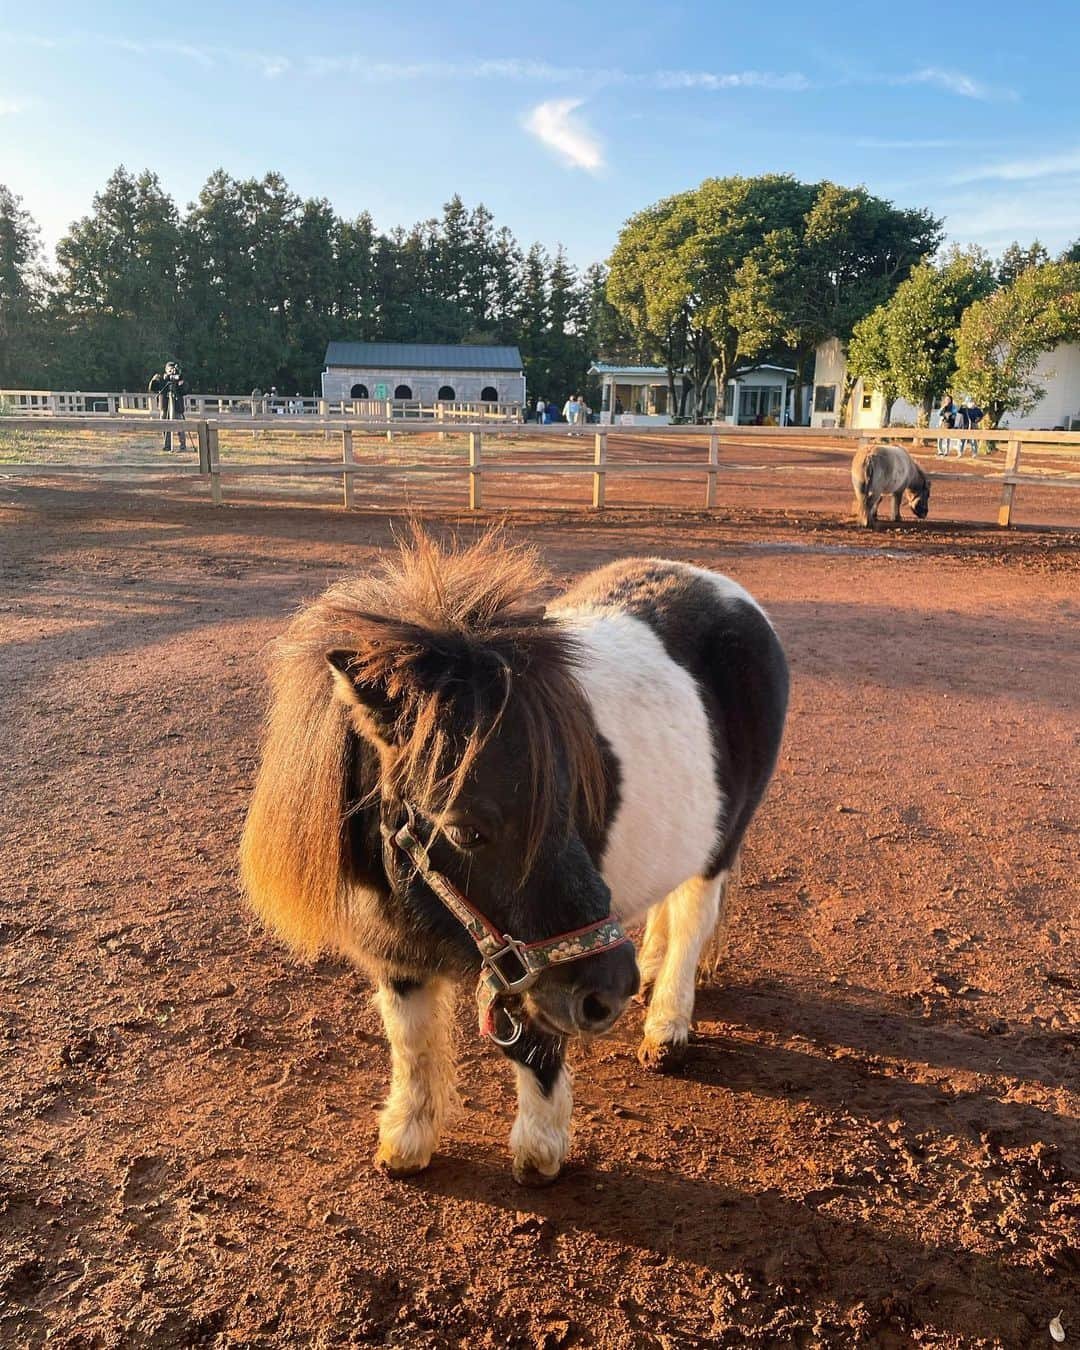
{"type": "Point", "coordinates": [464, 836]}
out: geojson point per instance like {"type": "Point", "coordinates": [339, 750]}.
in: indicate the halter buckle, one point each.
{"type": "Point", "coordinates": [515, 948]}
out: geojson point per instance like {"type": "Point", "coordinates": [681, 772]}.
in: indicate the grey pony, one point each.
{"type": "Point", "coordinates": [888, 470]}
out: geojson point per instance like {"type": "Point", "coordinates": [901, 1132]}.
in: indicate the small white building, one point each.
{"type": "Point", "coordinates": [424, 372]}
{"type": "Point", "coordinates": [755, 395]}
{"type": "Point", "coordinates": [1058, 371]}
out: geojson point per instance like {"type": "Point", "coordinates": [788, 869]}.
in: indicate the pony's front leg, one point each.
{"type": "Point", "coordinates": [419, 1022]}
{"type": "Point", "coordinates": [692, 912]}
{"type": "Point", "coordinates": [540, 1138]}
{"type": "Point", "coordinates": [897, 498]}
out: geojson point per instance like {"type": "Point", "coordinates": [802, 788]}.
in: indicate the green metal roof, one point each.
{"type": "Point", "coordinates": [421, 356]}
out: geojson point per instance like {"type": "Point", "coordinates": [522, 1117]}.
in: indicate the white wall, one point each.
{"type": "Point", "coordinates": [1058, 371]}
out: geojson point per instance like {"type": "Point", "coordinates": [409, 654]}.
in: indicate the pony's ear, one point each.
{"type": "Point", "coordinates": [369, 696]}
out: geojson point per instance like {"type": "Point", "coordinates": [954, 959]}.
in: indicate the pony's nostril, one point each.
{"type": "Point", "coordinates": [594, 1011]}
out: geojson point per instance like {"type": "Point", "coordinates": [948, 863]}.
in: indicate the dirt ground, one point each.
{"type": "Point", "coordinates": [874, 1140]}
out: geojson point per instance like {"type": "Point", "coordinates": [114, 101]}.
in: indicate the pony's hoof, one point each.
{"type": "Point", "coordinates": [396, 1165]}
{"type": "Point", "coordinates": [528, 1174]}
{"type": "Point", "coordinates": [661, 1056]}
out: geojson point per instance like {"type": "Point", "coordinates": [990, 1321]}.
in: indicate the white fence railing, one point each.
{"type": "Point", "coordinates": [78, 402]}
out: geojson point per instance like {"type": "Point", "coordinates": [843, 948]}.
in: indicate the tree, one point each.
{"type": "Point", "coordinates": [116, 303]}
{"type": "Point", "coordinates": [1017, 259]}
{"type": "Point", "coordinates": [22, 295]}
{"type": "Point", "coordinates": [815, 278]}
{"type": "Point", "coordinates": [747, 267]}
{"type": "Point", "coordinates": [922, 319]}
{"type": "Point", "coordinates": [868, 358]}
{"type": "Point", "coordinates": [1002, 337]}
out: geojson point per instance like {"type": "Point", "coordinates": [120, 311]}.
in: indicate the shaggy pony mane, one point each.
{"type": "Point", "coordinates": [440, 642]}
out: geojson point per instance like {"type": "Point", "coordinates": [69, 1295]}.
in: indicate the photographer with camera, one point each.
{"type": "Point", "coordinates": [170, 389]}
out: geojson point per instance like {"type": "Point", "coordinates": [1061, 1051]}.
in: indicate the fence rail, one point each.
{"type": "Point", "coordinates": [72, 403]}
{"type": "Point", "coordinates": [211, 468]}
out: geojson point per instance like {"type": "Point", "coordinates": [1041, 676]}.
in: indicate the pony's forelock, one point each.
{"type": "Point", "coordinates": [455, 639]}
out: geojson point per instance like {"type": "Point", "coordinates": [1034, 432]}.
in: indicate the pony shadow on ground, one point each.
{"type": "Point", "coordinates": [782, 1245]}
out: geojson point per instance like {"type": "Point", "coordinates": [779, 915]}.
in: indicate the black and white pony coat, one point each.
{"type": "Point", "coordinates": [686, 684]}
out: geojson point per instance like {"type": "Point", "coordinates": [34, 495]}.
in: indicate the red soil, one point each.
{"type": "Point", "coordinates": [874, 1140]}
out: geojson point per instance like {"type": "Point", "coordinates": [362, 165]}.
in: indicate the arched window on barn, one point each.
{"type": "Point", "coordinates": [403, 391]}
{"type": "Point", "coordinates": [358, 391]}
{"type": "Point", "coordinates": [489, 394]}
{"type": "Point", "coordinates": [446, 394]}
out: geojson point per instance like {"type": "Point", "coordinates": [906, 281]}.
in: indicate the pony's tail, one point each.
{"type": "Point", "coordinates": [712, 954]}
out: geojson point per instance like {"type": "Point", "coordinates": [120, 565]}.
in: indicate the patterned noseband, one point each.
{"type": "Point", "coordinates": [508, 966]}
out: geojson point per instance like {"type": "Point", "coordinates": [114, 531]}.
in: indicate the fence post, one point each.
{"type": "Point", "coordinates": [389, 419]}
{"type": "Point", "coordinates": [475, 490]}
{"type": "Point", "coordinates": [347, 458]}
{"type": "Point", "coordinates": [599, 478]}
{"type": "Point", "coordinates": [214, 454]}
{"type": "Point", "coordinates": [204, 447]}
{"type": "Point", "coordinates": [710, 478]}
{"type": "Point", "coordinates": [1008, 491]}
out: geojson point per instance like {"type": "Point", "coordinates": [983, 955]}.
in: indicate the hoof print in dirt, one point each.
{"type": "Point", "coordinates": [661, 1056]}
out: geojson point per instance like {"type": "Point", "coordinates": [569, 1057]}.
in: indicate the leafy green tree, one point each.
{"type": "Point", "coordinates": [1002, 337]}
{"type": "Point", "coordinates": [815, 278]}
{"type": "Point", "coordinates": [748, 267]}
{"type": "Point", "coordinates": [23, 334]}
{"type": "Point", "coordinates": [868, 358]}
{"type": "Point", "coordinates": [922, 320]}
{"type": "Point", "coordinates": [655, 282]}
{"type": "Point", "coordinates": [1017, 259]}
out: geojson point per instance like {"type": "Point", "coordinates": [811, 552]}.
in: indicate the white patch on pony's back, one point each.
{"type": "Point", "coordinates": [649, 710]}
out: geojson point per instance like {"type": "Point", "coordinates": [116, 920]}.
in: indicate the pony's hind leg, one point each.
{"type": "Point", "coordinates": [419, 1020]}
{"type": "Point", "coordinates": [692, 912]}
{"type": "Point", "coordinates": [540, 1137]}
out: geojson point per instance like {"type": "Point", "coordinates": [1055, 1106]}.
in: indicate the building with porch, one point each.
{"type": "Point", "coordinates": [755, 395]}
{"type": "Point", "coordinates": [424, 372]}
{"type": "Point", "coordinates": [1058, 372]}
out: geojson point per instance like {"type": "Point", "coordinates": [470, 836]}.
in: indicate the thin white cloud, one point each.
{"type": "Point", "coordinates": [11, 107]}
{"type": "Point", "coordinates": [953, 82]}
{"type": "Point", "coordinates": [1056, 165]}
{"type": "Point", "coordinates": [553, 124]}
{"type": "Point", "coordinates": [792, 82]}
{"type": "Point", "coordinates": [360, 66]}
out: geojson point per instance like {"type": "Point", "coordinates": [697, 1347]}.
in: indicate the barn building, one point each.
{"type": "Point", "coordinates": [426, 372]}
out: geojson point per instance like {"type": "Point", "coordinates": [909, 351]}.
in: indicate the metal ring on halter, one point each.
{"type": "Point", "coordinates": [515, 1036]}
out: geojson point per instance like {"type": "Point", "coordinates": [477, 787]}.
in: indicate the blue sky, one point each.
{"type": "Point", "coordinates": [563, 118]}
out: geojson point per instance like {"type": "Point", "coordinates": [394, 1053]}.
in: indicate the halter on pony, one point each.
{"type": "Point", "coordinates": [497, 987]}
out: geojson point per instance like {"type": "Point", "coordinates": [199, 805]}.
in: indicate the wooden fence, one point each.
{"type": "Point", "coordinates": [206, 434]}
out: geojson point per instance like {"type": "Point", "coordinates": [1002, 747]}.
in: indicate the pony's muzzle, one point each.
{"type": "Point", "coordinates": [588, 997]}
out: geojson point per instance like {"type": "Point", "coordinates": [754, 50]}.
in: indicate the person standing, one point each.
{"type": "Point", "coordinates": [946, 418]}
{"type": "Point", "coordinates": [540, 406]}
{"type": "Point", "coordinates": [973, 416]}
{"type": "Point", "coordinates": [572, 410]}
{"type": "Point", "coordinates": [170, 387]}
